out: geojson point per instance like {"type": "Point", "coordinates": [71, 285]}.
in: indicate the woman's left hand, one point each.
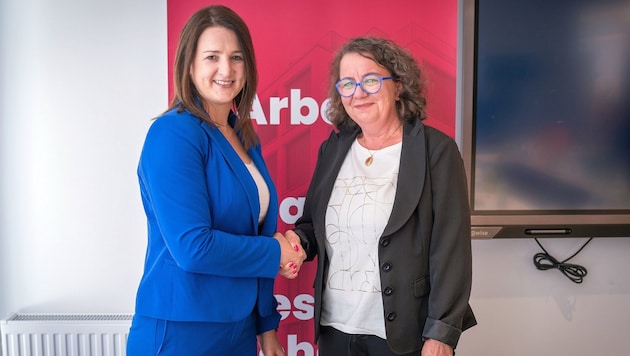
{"type": "Point", "coordinates": [269, 344]}
{"type": "Point", "coordinates": [436, 348]}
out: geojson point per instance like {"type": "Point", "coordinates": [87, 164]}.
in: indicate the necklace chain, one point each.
{"type": "Point", "coordinates": [370, 160]}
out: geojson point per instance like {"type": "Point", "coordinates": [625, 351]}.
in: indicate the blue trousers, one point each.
{"type": "Point", "coordinates": [152, 337]}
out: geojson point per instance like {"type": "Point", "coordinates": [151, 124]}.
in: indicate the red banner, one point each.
{"type": "Point", "coordinates": [294, 43]}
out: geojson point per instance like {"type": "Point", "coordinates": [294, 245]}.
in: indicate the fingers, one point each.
{"type": "Point", "coordinates": [290, 260]}
{"type": "Point", "coordinates": [293, 238]}
{"type": "Point", "coordinates": [292, 251]}
{"type": "Point", "coordinates": [269, 344]}
{"type": "Point", "coordinates": [289, 271]}
{"type": "Point", "coordinates": [292, 255]}
{"type": "Point", "coordinates": [295, 242]}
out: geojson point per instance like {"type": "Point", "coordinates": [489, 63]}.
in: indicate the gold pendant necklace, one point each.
{"type": "Point", "coordinates": [370, 160]}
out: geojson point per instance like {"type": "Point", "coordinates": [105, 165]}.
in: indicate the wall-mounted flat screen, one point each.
{"type": "Point", "coordinates": [544, 104]}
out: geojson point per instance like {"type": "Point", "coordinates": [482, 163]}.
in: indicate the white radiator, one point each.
{"type": "Point", "coordinates": [65, 334]}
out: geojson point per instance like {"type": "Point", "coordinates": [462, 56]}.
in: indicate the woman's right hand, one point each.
{"type": "Point", "coordinates": [292, 255]}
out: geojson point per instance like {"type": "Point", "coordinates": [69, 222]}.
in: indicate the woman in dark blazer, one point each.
{"type": "Point", "coordinates": [386, 214]}
{"type": "Point", "coordinates": [213, 251]}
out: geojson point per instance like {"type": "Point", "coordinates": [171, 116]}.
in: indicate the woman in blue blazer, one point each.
{"type": "Point", "coordinates": [211, 207]}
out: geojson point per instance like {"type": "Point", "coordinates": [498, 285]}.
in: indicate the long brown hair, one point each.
{"type": "Point", "coordinates": [402, 66]}
{"type": "Point", "coordinates": [186, 95]}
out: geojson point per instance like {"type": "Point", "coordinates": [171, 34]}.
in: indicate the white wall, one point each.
{"type": "Point", "coordinates": [524, 312]}
{"type": "Point", "coordinates": [80, 82]}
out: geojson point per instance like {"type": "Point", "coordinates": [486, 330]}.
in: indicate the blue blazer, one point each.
{"type": "Point", "coordinates": [207, 257]}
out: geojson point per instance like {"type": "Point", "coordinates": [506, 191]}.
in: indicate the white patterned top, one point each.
{"type": "Point", "coordinates": [358, 210]}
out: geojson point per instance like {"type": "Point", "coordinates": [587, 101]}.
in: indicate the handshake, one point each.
{"type": "Point", "coordinates": [292, 254]}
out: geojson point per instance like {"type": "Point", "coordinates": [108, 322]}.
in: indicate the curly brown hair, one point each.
{"type": "Point", "coordinates": [402, 66]}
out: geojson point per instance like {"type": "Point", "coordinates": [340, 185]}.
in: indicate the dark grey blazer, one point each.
{"type": "Point", "coordinates": [425, 251]}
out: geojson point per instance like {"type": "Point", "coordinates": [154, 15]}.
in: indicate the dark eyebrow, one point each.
{"type": "Point", "coordinates": [217, 51]}
{"type": "Point", "coordinates": [365, 75]}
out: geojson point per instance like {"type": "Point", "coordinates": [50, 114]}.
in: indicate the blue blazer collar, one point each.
{"type": "Point", "coordinates": [234, 162]}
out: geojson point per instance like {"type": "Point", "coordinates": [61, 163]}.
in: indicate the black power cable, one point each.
{"type": "Point", "coordinates": [544, 261]}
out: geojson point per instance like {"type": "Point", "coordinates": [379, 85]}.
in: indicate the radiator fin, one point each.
{"type": "Point", "coordinates": [65, 334]}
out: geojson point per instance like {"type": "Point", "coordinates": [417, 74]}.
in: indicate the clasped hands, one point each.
{"type": "Point", "coordinates": [292, 254]}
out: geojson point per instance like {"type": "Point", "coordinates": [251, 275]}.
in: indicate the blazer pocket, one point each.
{"type": "Point", "coordinates": [421, 287]}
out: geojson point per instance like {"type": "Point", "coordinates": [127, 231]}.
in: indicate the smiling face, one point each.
{"type": "Point", "coordinates": [218, 68]}
{"type": "Point", "coordinates": [363, 108]}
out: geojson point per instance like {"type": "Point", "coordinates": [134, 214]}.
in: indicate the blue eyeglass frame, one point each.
{"type": "Point", "coordinates": [360, 84]}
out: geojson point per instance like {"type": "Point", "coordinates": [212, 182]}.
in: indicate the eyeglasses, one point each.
{"type": "Point", "coordinates": [371, 84]}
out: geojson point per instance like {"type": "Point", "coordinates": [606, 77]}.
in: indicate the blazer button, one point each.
{"type": "Point", "coordinates": [386, 267]}
{"type": "Point", "coordinates": [385, 242]}
{"type": "Point", "coordinates": [388, 290]}
{"type": "Point", "coordinates": [391, 316]}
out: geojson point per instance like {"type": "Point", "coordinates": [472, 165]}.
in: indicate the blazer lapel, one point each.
{"type": "Point", "coordinates": [241, 173]}
{"type": "Point", "coordinates": [338, 146]}
{"type": "Point", "coordinates": [269, 225]}
{"type": "Point", "coordinates": [411, 176]}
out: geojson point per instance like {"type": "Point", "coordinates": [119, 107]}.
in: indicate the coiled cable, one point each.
{"type": "Point", "coordinates": [544, 261]}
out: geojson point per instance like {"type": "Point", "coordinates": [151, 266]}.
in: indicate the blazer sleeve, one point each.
{"type": "Point", "coordinates": [450, 260]}
{"type": "Point", "coordinates": [172, 173]}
